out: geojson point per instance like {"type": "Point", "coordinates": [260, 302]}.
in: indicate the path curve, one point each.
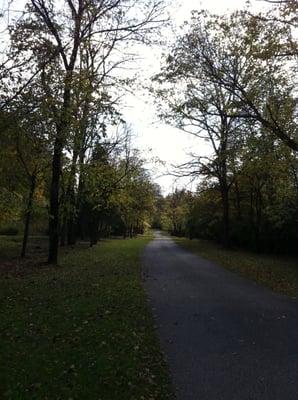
{"type": "Point", "coordinates": [225, 338]}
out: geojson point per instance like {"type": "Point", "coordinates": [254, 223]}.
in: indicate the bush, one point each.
{"type": "Point", "coordinates": [9, 230]}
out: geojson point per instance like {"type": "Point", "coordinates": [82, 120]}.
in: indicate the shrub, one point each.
{"type": "Point", "coordinates": [9, 230]}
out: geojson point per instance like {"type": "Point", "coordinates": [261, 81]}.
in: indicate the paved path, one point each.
{"type": "Point", "coordinates": [225, 338]}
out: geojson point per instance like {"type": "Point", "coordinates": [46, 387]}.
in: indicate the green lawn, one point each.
{"type": "Point", "coordinates": [81, 330]}
{"type": "Point", "coordinates": [278, 273]}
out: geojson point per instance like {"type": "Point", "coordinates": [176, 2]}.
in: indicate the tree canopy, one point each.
{"type": "Point", "coordinates": [68, 155]}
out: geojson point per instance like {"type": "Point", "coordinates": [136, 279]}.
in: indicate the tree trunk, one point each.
{"type": "Point", "coordinates": [100, 230]}
{"type": "Point", "coordinates": [71, 201]}
{"type": "Point", "coordinates": [56, 172]}
{"type": "Point", "coordinates": [226, 215]}
{"type": "Point", "coordinates": [238, 200]}
{"type": "Point", "coordinates": [258, 205]}
{"type": "Point", "coordinates": [71, 223]}
{"type": "Point", "coordinates": [79, 223]}
{"type": "Point", "coordinates": [54, 203]}
{"type": "Point", "coordinates": [28, 215]}
{"type": "Point", "coordinates": [94, 227]}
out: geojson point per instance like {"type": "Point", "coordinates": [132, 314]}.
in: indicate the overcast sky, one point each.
{"type": "Point", "coordinates": [167, 143]}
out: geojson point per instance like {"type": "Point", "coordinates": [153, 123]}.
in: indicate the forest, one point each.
{"type": "Point", "coordinates": [69, 167]}
{"type": "Point", "coordinates": [232, 81]}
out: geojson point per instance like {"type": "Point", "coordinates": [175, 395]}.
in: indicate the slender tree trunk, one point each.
{"type": "Point", "coordinates": [71, 226]}
{"type": "Point", "coordinates": [71, 201]}
{"type": "Point", "coordinates": [28, 215]}
{"type": "Point", "coordinates": [100, 230]}
{"type": "Point", "coordinates": [258, 205]}
{"type": "Point", "coordinates": [238, 200]}
{"type": "Point", "coordinates": [79, 223]}
{"type": "Point", "coordinates": [56, 173]}
{"type": "Point", "coordinates": [54, 203]}
{"type": "Point", "coordinates": [223, 179]}
{"type": "Point", "coordinates": [226, 215]}
{"type": "Point", "coordinates": [137, 227]}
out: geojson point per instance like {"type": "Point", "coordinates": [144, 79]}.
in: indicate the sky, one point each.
{"type": "Point", "coordinates": [155, 139]}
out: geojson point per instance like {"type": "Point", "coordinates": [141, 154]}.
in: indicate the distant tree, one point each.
{"type": "Point", "coordinates": [176, 212]}
{"type": "Point", "coordinates": [136, 202]}
{"type": "Point", "coordinates": [159, 206]}
{"type": "Point", "coordinates": [118, 194]}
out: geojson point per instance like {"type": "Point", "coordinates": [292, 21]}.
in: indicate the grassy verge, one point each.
{"type": "Point", "coordinates": [278, 273]}
{"type": "Point", "coordinates": [81, 330]}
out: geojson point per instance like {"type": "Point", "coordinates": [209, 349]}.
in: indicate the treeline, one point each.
{"type": "Point", "coordinates": [112, 194]}
{"type": "Point", "coordinates": [66, 161]}
{"type": "Point", "coordinates": [62, 76]}
{"type": "Point", "coordinates": [231, 81]}
{"type": "Point", "coordinates": [263, 217]}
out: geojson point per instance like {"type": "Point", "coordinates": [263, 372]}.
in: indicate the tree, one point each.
{"type": "Point", "coordinates": [266, 188]}
{"type": "Point", "coordinates": [254, 67]}
{"type": "Point", "coordinates": [135, 201]}
{"type": "Point", "coordinates": [228, 80]}
{"type": "Point", "coordinates": [284, 12]}
{"type": "Point", "coordinates": [204, 108]}
{"type": "Point", "coordinates": [176, 212]}
{"type": "Point", "coordinates": [27, 152]}
{"type": "Point", "coordinates": [59, 36]}
{"type": "Point", "coordinates": [29, 132]}
{"type": "Point", "coordinates": [118, 194]}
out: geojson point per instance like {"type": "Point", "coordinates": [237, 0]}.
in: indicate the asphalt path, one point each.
{"type": "Point", "coordinates": [224, 337]}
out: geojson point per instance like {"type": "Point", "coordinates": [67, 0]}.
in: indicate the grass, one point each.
{"type": "Point", "coordinates": [81, 330]}
{"type": "Point", "coordinates": [278, 273]}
